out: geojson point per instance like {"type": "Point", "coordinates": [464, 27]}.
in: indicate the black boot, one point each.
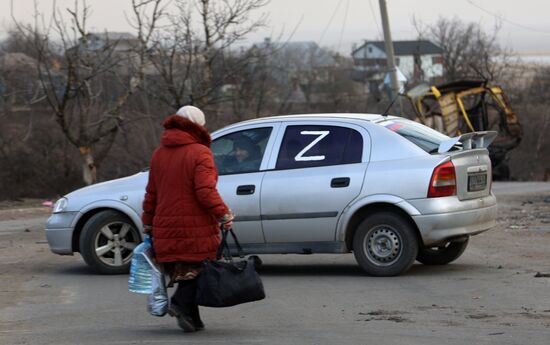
{"type": "Point", "coordinates": [196, 317]}
{"type": "Point", "coordinates": [181, 305]}
{"type": "Point", "coordinates": [185, 321]}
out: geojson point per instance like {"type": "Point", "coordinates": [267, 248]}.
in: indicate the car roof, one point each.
{"type": "Point", "coordinates": [376, 126]}
{"type": "Point", "coordinates": [321, 116]}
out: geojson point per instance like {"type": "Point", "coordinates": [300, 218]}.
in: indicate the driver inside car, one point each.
{"type": "Point", "coordinates": [245, 157]}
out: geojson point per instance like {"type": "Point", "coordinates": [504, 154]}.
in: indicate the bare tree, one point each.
{"type": "Point", "coordinates": [195, 55]}
{"type": "Point", "coordinates": [16, 42]}
{"type": "Point", "coordinates": [285, 77]}
{"type": "Point", "coordinates": [468, 50]}
{"type": "Point", "coordinates": [530, 161]}
{"type": "Point", "coordinates": [254, 88]}
{"type": "Point", "coordinates": [18, 87]}
{"type": "Point", "coordinates": [76, 70]}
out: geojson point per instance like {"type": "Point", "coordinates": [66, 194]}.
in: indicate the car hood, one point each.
{"type": "Point", "coordinates": [112, 189]}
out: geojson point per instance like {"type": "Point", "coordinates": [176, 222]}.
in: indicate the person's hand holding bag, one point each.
{"type": "Point", "coordinates": [227, 221]}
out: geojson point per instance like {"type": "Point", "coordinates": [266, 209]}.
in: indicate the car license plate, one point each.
{"type": "Point", "coordinates": [477, 182]}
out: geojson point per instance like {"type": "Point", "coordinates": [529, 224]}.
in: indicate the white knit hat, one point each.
{"type": "Point", "coordinates": [193, 114]}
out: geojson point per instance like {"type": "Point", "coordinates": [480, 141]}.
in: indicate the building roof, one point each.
{"type": "Point", "coordinates": [99, 40]}
{"type": "Point", "coordinates": [407, 47]}
{"type": "Point", "coordinates": [113, 36]}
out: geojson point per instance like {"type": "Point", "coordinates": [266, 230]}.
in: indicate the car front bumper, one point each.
{"type": "Point", "coordinates": [59, 232]}
{"type": "Point", "coordinates": [444, 219]}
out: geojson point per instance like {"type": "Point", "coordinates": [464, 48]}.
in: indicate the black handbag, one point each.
{"type": "Point", "coordinates": [228, 283]}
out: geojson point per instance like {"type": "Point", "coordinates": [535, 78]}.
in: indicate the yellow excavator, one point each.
{"type": "Point", "coordinates": [469, 106]}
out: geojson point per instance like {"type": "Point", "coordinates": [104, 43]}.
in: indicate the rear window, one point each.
{"type": "Point", "coordinates": [422, 136]}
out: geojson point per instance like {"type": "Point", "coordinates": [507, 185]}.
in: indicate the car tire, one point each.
{"type": "Point", "coordinates": [107, 242]}
{"type": "Point", "coordinates": [442, 255]}
{"type": "Point", "coordinates": [385, 244]}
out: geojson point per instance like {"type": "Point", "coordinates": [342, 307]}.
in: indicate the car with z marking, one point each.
{"type": "Point", "coordinates": [388, 189]}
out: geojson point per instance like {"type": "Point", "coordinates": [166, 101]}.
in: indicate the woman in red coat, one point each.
{"type": "Point", "coordinates": [183, 209]}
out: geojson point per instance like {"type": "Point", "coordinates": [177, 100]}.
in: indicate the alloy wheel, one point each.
{"type": "Point", "coordinates": [115, 242]}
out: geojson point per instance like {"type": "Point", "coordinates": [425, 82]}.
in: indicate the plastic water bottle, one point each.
{"type": "Point", "coordinates": [141, 272]}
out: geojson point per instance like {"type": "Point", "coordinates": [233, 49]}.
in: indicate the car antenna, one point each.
{"type": "Point", "coordinates": [385, 113]}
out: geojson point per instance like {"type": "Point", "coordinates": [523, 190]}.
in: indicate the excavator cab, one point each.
{"type": "Point", "coordinates": [469, 106]}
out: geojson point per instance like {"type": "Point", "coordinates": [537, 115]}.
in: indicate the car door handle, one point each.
{"type": "Point", "coordinates": [339, 182]}
{"type": "Point", "coordinates": [246, 189]}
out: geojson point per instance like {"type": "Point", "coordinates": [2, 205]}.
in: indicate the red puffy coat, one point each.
{"type": "Point", "coordinates": [181, 200]}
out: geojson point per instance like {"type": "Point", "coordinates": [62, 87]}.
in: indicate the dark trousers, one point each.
{"type": "Point", "coordinates": [185, 292]}
{"type": "Point", "coordinates": [184, 297]}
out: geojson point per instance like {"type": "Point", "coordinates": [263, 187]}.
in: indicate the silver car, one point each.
{"type": "Point", "coordinates": [390, 190]}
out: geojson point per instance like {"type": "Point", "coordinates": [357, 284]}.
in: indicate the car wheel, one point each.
{"type": "Point", "coordinates": [107, 241]}
{"type": "Point", "coordinates": [442, 255]}
{"type": "Point", "coordinates": [385, 244]}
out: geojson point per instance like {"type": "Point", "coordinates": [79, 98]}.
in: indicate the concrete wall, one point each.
{"type": "Point", "coordinates": [431, 70]}
{"type": "Point", "coordinates": [406, 65]}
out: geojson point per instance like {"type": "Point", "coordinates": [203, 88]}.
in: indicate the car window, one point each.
{"type": "Point", "coordinates": [240, 152]}
{"type": "Point", "coordinates": [314, 146]}
{"type": "Point", "coordinates": [422, 136]}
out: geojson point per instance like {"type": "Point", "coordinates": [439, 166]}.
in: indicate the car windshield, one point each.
{"type": "Point", "coordinates": [422, 136]}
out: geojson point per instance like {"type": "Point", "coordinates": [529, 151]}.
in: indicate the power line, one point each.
{"type": "Point", "coordinates": [343, 25]}
{"type": "Point", "coordinates": [375, 18]}
{"type": "Point", "coordinates": [504, 19]}
{"type": "Point", "coordinates": [330, 21]}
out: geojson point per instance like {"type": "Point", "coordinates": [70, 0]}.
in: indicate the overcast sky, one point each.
{"type": "Point", "coordinates": [339, 24]}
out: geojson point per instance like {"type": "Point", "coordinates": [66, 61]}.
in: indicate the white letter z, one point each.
{"type": "Point", "coordinates": [300, 156]}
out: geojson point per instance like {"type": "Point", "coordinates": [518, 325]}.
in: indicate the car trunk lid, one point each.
{"type": "Point", "coordinates": [472, 163]}
{"type": "Point", "coordinates": [473, 173]}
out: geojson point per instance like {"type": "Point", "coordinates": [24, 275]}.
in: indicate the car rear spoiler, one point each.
{"type": "Point", "coordinates": [473, 140]}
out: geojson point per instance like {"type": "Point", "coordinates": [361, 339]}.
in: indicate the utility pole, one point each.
{"type": "Point", "coordinates": [389, 52]}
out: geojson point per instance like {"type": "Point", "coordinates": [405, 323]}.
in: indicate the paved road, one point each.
{"type": "Point", "coordinates": [488, 296]}
{"type": "Point", "coordinates": [520, 188]}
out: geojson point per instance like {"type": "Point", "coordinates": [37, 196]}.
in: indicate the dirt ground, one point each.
{"type": "Point", "coordinates": [520, 241]}
{"type": "Point", "coordinates": [23, 248]}
{"type": "Point", "coordinates": [518, 247]}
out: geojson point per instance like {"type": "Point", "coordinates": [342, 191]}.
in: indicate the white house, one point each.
{"type": "Point", "coordinates": [122, 42]}
{"type": "Point", "coordinates": [419, 60]}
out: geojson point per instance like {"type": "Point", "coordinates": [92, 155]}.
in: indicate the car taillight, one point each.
{"type": "Point", "coordinates": [443, 182]}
